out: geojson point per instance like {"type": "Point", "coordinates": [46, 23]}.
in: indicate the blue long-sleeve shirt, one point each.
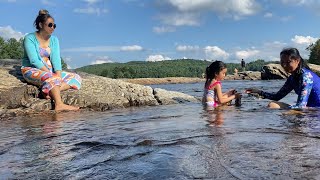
{"type": "Point", "coordinates": [32, 56]}
{"type": "Point", "coordinates": [308, 90]}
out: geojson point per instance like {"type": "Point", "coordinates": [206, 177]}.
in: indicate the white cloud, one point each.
{"type": "Point", "coordinates": [314, 5]}
{"type": "Point", "coordinates": [47, 2]}
{"type": "Point", "coordinates": [215, 53]}
{"type": "Point", "coordinates": [180, 19]}
{"type": "Point", "coordinates": [245, 54]}
{"type": "Point", "coordinates": [69, 67]}
{"type": "Point", "coordinates": [104, 49]}
{"type": "Point", "coordinates": [236, 9]}
{"type": "Point", "coordinates": [67, 59]}
{"type": "Point", "coordinates": [163, 29]}
{"type": "Point", "coordinates": [91, 1]}
{"type": "Point", "coordinates": [243, 7]}
{"type": "Point", "coordinates": [131, 48]}
{"type": "Point", "coordinates": [8, 32]}
{"type": "Point", "coordinates": [268, 15]}
{"type": "Point", "coordinates": [296, 2]}
{"type": "Point", "coordinates": [305, 40]}
{"type": "Point", "coordinates": [93, 49]}
{"type": "Point", "coordinates": [101, 60]}
{"type": "Point", "coordinates": [158, 57]}
{"type": "Point", "coordinates": [285, 18]}
{"type": "Point", "coordinates": [187, 48]}
{"type": "Point", "coordinates": [90, 10]}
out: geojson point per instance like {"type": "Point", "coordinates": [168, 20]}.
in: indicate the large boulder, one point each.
{"type": "Point", "coordinates": [245, 75]}
{"type": "Point", "coordinates": [97, 93]}
{"type": "Point", "coordinates": [273, 71]}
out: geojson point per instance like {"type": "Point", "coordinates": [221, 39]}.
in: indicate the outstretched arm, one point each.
{"type": "Point", "coordinates": [286, 88]}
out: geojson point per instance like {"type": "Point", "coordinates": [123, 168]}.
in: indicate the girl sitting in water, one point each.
{"type": "Point", "coordinates": [213, 96]}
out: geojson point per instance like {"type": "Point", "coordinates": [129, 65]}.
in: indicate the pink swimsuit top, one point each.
{"type": "Point", "coordinates": [209, 92]}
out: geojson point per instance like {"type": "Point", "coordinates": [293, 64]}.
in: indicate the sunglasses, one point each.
{"type": "Point", "coordinates": [50, 25]}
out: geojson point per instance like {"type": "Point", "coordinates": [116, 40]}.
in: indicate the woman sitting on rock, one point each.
{"type": "Point", "coordinates": [302, 80]}
{"type": "Point", "coordinates": [41, 64]}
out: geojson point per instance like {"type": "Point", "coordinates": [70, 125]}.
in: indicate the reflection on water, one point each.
{"type": "Point", "coordinates": [181, 141]}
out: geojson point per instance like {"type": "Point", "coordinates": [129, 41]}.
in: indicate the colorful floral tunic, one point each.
{"type": "Point", "coordinates": [308, 90]}
{"type": "Point", "coordinates": [47, 80]}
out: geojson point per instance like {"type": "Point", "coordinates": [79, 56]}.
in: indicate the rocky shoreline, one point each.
{"type": "Point", "coordinates": [97, 93]}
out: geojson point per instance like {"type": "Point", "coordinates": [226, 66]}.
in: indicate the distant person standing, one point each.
{"type": "Point", "coordinates": [243, 65]}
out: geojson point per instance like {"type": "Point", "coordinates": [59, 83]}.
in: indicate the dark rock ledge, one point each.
{"type": "Point", "coordinates": [98, 93]}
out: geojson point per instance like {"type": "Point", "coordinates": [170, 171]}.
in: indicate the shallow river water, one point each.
{"type": "Point", "coordinates": [181, 141]}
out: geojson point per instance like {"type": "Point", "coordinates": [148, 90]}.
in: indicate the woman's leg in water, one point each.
{"type": "Point", "coordinates": [278, 105]}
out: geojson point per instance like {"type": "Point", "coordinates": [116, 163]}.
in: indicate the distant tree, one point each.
{"type": "Point", "coordinates": [314, 49]}
{"type": "Point", "coordinates": [11, 49]}
{"type": "Point", "coordinates": [64, 64]}
{"type": "Point", "coordinates": [2, 44]}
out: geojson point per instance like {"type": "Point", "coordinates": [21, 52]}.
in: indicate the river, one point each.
{"type": "Point", "coordinates": [180, 141]}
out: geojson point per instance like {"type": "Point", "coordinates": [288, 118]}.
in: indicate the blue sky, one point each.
{"type": "Point", "coordinates": [98, 31]}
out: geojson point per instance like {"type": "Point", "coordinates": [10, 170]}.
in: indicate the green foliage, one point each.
{"type": "Point", "coordinates": [170, 68]}
{"type": "Point", "coordinates": [64, 64]}
{"type": "Point", "coordinates": [314, 49]}
{"type": "Point", "coordinates": [11, 49]}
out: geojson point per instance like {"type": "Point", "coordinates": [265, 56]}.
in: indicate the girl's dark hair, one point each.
{"type": "Point", "coordinates": [41, 18]}
{"type": "Point", "coordinates": [213, 70]}
{"type": "Point", "coordinates": [293, 53]}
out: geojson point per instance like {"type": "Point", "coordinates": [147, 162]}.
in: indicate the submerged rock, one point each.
{"type": "Point", "coordinates": [97, 93]}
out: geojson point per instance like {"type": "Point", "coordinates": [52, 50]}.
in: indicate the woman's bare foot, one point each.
{"type": "Point", "coordinates": [46, 96]}
{"type": "Point", "coordinates": [65, 107]}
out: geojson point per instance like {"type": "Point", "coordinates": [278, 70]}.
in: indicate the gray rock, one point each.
{"type": "Point", "coordinates": [275, 71]}
{"type": "Point", "coordinates": [171, 97]}
{"type": "Point", "coordinates": [245, 75]}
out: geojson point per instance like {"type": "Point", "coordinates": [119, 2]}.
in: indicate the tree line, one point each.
{"type": "Point", "coordinates": [11, 48]}
{"type": "Point", "coordinates": [160, 69]}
